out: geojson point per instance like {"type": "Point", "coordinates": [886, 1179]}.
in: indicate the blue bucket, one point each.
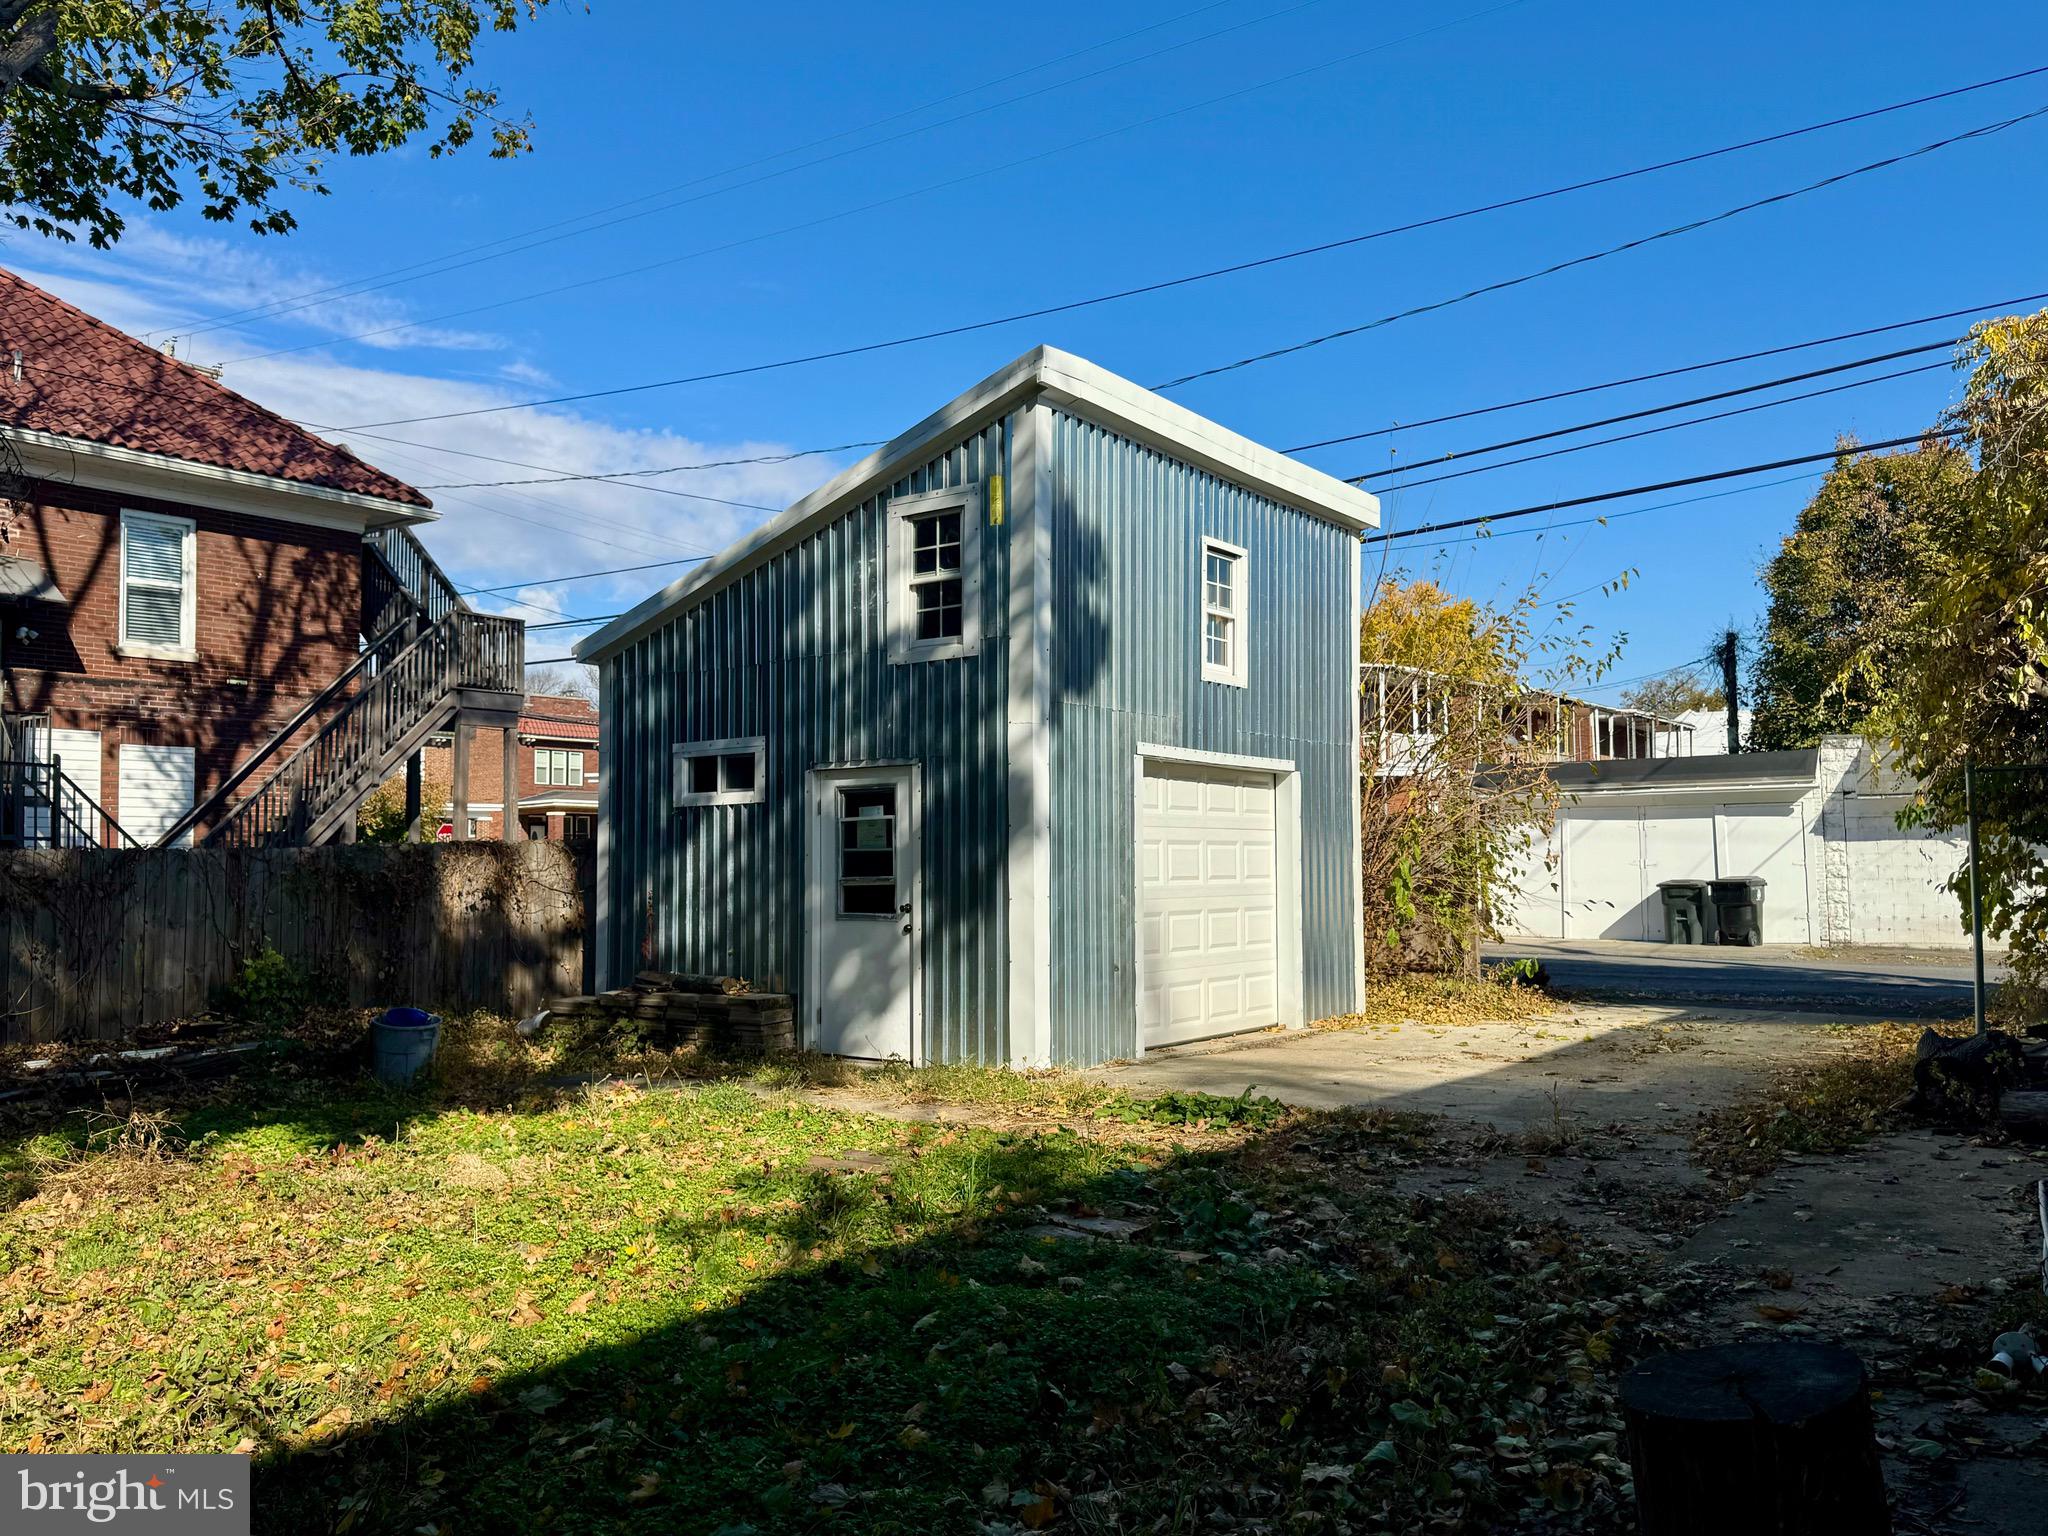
{"type": "Point", "coordinates": [402, 1042]}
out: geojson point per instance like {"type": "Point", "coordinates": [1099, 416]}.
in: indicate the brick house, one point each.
{"type": "Point", "coordinates": [192, 590]}
{"type": "Point", "coordinates": [555, 773]}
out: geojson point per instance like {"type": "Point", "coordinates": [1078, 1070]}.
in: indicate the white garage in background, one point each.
{"type": "Point", "coordinates": [1219, 947]}
{"type": "Point", "coordinates": [1820, 826]}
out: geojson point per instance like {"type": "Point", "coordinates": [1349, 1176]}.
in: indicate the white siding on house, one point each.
{"type": "Point", "coordinates": [156, 789]}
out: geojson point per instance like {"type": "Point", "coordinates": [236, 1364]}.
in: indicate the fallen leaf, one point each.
{"type": "Point", "coordinates": [581, 1304]}
{"type": "Point", "coordinates": [645, 1488]}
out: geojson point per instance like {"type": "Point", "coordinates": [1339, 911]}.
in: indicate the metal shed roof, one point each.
{"type": "Point", "coordinates": [1067, 381]}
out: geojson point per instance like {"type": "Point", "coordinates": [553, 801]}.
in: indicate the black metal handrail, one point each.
{"type": "Point", "coordinates": [74, 818]}
{"type": "Point", "coordinates": [379, 650]}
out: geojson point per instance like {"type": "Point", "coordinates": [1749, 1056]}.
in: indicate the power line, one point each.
{"type": "Point", "coordinates": [1162, 285]}
{"type": "Point", "coordinates": [667, 469]}
{"type": "Point", "coordinates": [1615, 517]}
{"type": "Point", "coordinates": [1689, 227]}
{"type": "Point", "coordinates": [916, 194]}
{"type": "Point", "coordinates": [1668, 373]}
{"type": "Point", "coordinates": [549, 581]}
{"type": "Point", "coordinates": [1658, 410]}
{"type": "Point", "coordinates": [1669, 426]}
{"type": "Point", "coordinates": [448, 262]}
{"type": "Point", "coordinates": [1661, 485]}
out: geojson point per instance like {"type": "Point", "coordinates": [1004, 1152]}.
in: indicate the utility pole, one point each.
{"type": "Point", "coordinates": [1727, 653]}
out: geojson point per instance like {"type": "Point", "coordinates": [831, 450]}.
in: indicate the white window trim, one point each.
{"type": "Point", "coordinates": [188, 604]}
{"type": "Point", "coordinates": [573, 774]}
{"type": "Point", "coordinates": [731, 746]}
{"type": "Point", "coordinates": [1239, 613]}
{"type": "Point", "coordinates": [904, 646]}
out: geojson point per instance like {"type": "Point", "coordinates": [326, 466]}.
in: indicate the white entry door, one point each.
{"type": "Point", "coordinates": [156, 789]}
{"type": "Point", "coordinates": [1209, 919]}
{"type": "Point", "coordinates": [863, 914]}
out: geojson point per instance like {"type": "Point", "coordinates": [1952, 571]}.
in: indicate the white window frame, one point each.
{"type": "Point", "coordinates": [731, 746]}
{"type": "Point", "coordinates": [572, 776]}
{"type": "Point", "coordinates": [904, 512]}
{"type": "Point", "coordinates": [1238, 611]}
{"type": "Point", "coordinates": [188, 589]}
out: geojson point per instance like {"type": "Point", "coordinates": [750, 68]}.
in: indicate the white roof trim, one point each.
{"type": "Point", "coordinates": [102, 466]}
{"type": "Point", "coordinates": [1069, 382]}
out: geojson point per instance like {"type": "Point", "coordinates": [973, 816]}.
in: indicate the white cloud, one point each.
{"type": "Point", "coordinates": [486, 535]}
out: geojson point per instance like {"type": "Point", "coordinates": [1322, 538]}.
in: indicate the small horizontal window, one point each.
{"type": "Point", "coordinates": [731, 772]}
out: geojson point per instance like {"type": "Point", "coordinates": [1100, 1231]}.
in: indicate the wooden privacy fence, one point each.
{"type": "Point", "coordinates": [100, 943]}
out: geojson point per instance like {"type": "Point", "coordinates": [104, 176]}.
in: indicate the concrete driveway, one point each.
{"type": "Point", "coordinates": [1895, 984]}
{"type": "Point", "coordinates": [1593, 1065]}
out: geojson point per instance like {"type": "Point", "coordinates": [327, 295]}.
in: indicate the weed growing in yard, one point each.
{"type": "Point", "coordinates": [1197, 1108]}
{"type": "Point", "coordinates": [651, 1311]}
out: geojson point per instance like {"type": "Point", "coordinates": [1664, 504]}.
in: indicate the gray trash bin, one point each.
{"type": "Point", "coordinates": [1687, 912]}
{"type": "Point", "coordinates": [1739, 909]}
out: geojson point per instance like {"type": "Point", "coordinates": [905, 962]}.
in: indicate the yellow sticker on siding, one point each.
{"type": "Point", "coordinates": [995, 501]}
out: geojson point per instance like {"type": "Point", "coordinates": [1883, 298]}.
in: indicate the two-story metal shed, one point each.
{"type": "Point", "coordinates": [1030, 738]}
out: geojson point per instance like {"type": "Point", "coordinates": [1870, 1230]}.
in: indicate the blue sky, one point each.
{"type": "Point", "coordinates": [918, 223]}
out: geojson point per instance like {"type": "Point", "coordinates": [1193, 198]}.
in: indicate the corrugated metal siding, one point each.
{"type": "Point", "coordinates": [795, 651]}
{"type": "Point", "coordinates": [1126, 668]}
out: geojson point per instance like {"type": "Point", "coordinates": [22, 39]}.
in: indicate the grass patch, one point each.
{"type": "Point", "coordinates": [1832, 1105]}
{"type": "Point", "coordinates": [622, 1310]}
{"type": "Point", "coordinates": [1504, 994]}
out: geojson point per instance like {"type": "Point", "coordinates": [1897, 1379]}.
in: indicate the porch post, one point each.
{"type": "Point", "coordinates": [459, 791]}
{"type": "Point", "coordinates": [414, 777]}
{"type": "Point", "coordinates": [508, 819]}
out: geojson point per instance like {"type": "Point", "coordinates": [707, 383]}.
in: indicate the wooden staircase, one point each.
{"type": "Point", "coordinates": [430, 663]}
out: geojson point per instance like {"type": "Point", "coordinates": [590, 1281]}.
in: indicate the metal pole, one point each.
{"type": "Point", "coordinates": [1976, 897]}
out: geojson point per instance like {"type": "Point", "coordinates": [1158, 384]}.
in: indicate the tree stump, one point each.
{"type": "Point", "coordinates": [1768, 1439]}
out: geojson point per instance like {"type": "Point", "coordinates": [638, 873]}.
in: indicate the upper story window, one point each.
{"type": "Point", "coordinates": [158, 580]}
{"type": "Point", "coordinates": [1223, 613]}
{"type": "Point", "coordinates": [557, 765]}
{"type": "Point", "coordinates": [733, 771]}
{"type": "Point", "coordinates": [934, 574]}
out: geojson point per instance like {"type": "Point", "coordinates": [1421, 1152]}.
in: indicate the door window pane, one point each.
{"type": "Point", "coordinates": [867, 851]}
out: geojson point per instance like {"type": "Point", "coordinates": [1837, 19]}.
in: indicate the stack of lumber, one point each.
{"type": "Point", "coordinates": [718, 1012]}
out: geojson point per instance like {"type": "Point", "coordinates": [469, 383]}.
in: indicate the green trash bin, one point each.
{"type": "Point", "coordinates": [1739, 909]}
{"type": "Point", "coordinates": [1686, 911]}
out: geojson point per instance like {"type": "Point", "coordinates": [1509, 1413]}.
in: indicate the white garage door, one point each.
{"type": "Point", "coordinates": [1208, 924]}
{"type": "Point", "coordinates": [1770, 840]}
{"type": "Point", "coordinates": [1603, 874]}
{"type": "Point", "coordinates": [156, 789]}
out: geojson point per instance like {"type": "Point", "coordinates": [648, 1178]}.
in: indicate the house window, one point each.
{"type": "Point", "coordinates": [557, 765]}
{"type": "Point", "coordinates": [157, 581]}
{"type": "Point", "coordinates": [1223, 613]}
{"type": "Point", "coordinates": [732, 772]}
{"type": "Point", "coordinates": [934, 545]}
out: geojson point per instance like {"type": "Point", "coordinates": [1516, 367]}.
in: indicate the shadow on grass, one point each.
{"type": "Point", "coordinates": [1281, 1343]}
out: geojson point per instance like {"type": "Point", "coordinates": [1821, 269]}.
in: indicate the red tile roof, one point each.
{"type": "Point", "coordinates": [562, 716]}
{"type": "Point", "coordinates": [82, 378]}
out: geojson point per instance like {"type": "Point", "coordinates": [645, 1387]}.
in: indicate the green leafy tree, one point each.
{"type": "Point", "coordinates": [381, 816]}
{"type": "Point", "coordinates": [1964, 676]}
{"type": "Point", "coordinates": [242, 100]}
{"type": "Point", "coordinates": [1844, 582]}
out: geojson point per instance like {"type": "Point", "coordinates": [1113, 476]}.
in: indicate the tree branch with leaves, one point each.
{"type": "Point", "coordinates": [242, 102]}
